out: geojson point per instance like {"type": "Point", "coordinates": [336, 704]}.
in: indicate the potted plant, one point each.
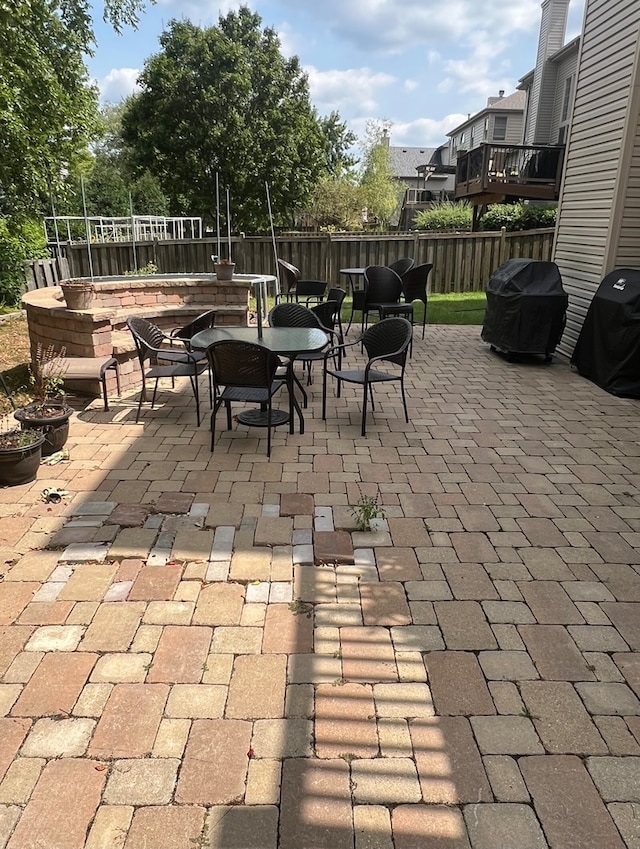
{"type": "Point", "coordinates": [77, 293]}
{"type": "Point", "coordinates": [225, 269]}
{"type": "Point", "coordinates": [48, 411]}
{"type": "Point", "coordinates": [20, 455]}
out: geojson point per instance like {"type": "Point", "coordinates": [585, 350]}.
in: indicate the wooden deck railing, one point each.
{"type": "Point", "coordinates": [524, 171]}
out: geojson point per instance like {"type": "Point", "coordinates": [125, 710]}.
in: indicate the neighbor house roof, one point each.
{"type": "Point", "coordinates": [405, 160]}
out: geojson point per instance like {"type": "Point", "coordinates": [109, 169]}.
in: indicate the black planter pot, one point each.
{"type": "Point", "coordinates": [20, 465]}
{"type": "Point", "coordinates": [55, 427]}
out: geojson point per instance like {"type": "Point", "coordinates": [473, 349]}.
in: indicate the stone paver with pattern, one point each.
{"type": "Point", "coordinates": [201, 649]}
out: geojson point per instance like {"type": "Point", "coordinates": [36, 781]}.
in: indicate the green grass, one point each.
{"type": "Point", "coordinates": [464, 308]}
{"type": "Point", "coordinates": [458, 308]}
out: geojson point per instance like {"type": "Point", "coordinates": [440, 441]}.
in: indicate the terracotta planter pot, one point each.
{"type": "Point", "coordinates": [78, 296]}
{"type": "Point", "coordinates": [20, 465]}
{"type": "Point", "coordinates": [225, 271]}
{"type": "Point", "coordinates": [54, 426]}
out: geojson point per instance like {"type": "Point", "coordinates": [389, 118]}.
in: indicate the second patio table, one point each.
{"type": "Point", "coordinates": [357, 291]}
{"type": "Point", "coordinates": [286, 341]}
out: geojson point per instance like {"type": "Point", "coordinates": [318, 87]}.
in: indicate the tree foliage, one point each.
{"type": "Point", "coordinates": [339, 141]}
{"type": "Point", "coordinates": [111, 188]}
{"type": "Point", "coordinates": [20, 241]}
{"type": "Point", "coordinates": [337, 204]}
{"type": "Point", "coordinates": [47, 106]}
{"type": "Point", "coordinates": [224, 101]}
{"type": "Point", "coordinates": [381, 192]}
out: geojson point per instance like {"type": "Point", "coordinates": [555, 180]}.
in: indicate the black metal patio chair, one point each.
{"type": "Point", "coordinates": [246, 372]}
{"type": "Point", "coordinates": [382, 293]}
{"type": "Point", "coordinates": [414, 288]}
{"type": "Point", "coordinates": [159, 358]}
{"type": "Point", "coordinates": [387, 341]}
{"type": "Point", "coordinates": [401, 266]}
{"type": "Point", "coordinates": [298, 290]}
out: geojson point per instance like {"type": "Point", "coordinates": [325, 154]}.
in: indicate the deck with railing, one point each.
{"type": "Point", "coordinates": [511, 171]}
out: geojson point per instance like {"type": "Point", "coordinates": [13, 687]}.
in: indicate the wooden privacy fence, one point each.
{"type": "Point", "coordinates": [462, 262]}
{"type": "Point", "coordinates": [40, 273]}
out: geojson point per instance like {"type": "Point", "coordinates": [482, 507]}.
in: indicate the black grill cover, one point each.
{"type": "Point", "coordinates": [526, 307]}
{"type": "Point", "coordinates": [608, 348]}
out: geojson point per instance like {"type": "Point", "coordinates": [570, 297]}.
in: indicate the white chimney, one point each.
{"type": "Point", "coordinates": [553, 27]}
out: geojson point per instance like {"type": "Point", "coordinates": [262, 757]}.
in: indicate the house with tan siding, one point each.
{"type": "Point", "coordinates": [598, 226]}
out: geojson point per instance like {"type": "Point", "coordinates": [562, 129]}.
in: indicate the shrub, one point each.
{"type": "Point", "coordinates": [445, 215]}
{"type": "Point", "coordinates": [20, 241]}
{"type": "Point", "coordinates": [517, 216]}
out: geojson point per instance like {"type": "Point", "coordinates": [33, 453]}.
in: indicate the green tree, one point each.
{"type": "Point", "coordinates": [47, 106]}
{"type": "Point", "coordinates": [109, 179]}
{"type": "Point", "coordinates": [224, 101]}
{"type": "Point", "coordinates": [20, 241]}
{"type": "Point", "coordinates": [339, 141]}
{"type": "Point", "coordinates": [381, 192]}
{"type": "Point", "coordinates": [337, 204]}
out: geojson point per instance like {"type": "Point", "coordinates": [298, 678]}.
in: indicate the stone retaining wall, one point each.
{"type": "Point", "coordinates": [100, 331]}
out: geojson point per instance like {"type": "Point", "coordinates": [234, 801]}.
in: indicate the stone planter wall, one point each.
{"type": "Point", "coordinates": [101, 331]}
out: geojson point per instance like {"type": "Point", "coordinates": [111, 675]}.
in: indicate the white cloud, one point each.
{"type": "Point", "coordinates": [394, 25]}
{"type": "Point", "coordinates": [353, 90]}
{"type": "Point", "coordinates": [479, 72]}
{"type": "Point", "coordinates": [411, 85]}
{"type": "Point", "coordinates": [427, 132]}
{"type": "Point", "coordinates": [118, 84]}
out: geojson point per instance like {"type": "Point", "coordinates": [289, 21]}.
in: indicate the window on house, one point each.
{"type": "Point", "coordinates": [485, 134]}
{"type": "Point", "coordinates": [566, 100]}
{"type": "Point", "coordinates": [471, 141]}
{"type": "Point", "coordinates": [562, 135]}
{"type": "Point", "coordinates": [500, 128]}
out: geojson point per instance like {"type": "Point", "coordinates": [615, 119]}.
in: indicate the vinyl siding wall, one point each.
{"type": "Point", "coordinates": [592, 205]}
{"type": "Point", "coordinates": [514, 128]}
{"type": "Point", "coordinates": [566, 69]}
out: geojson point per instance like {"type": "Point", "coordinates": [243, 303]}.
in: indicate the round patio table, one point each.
{"type": "Point", "coordinates": [356, 288]}
{"type": "Point", "coordinates": [288, 342]}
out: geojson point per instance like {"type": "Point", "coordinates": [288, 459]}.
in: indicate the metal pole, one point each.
{"type": "Point", "coordinates": [218, 214]}
{"type": "Point", "coordinates": [273, 239]}
{"type": "Point", "coordinates": [55, 227]}
{"type": "Point", "coordinates": [133, 235]}
{"type": "Point", "coordinates": [87, 228]}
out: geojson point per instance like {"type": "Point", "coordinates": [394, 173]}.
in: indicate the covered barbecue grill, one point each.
{"type": "Point", "coordinates": [608, 348]}
{"type": "Point", "coordinates": [526, 308]}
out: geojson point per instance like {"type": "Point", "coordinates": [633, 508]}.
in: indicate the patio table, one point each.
{"type": "Point", "coordinates": [357, 290]}
{"type": "Point", "coordinates": [285, 341]}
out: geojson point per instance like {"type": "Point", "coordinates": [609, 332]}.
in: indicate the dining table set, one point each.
{"type": "Point", "coordinates": [288, 343]}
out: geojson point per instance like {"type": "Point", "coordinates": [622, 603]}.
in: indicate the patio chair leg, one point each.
{"type": "Point", "coordinates": [364, 409]}
{"type": "Point", "coordinates": [404, 400]}
{"type": "Point", "coordinates": [213, 427]}
{"type": "Point", "coordinates": [324, 393]}
{"type": "Point", "coordinates": [196, 395]}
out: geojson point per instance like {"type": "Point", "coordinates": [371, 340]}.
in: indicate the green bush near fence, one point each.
{"type": "Point", "coordinates": [450, 216]}
{"type": "Point", "coordinates": [445, 216]}
{"type": "Point", "coordinates": [518, 216]}
{"type": "Point", "coordinates": [20, 241]}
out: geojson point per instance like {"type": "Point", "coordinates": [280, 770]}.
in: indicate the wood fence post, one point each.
{"type": "Point", "coordinates": [503, 245]}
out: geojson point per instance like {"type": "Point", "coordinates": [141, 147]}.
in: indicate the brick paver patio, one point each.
{"type": "Point", "coordinates": [200, 650]}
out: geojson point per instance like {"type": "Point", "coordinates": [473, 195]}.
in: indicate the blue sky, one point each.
{"type": "Point", "coordinates": [423, 65]}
